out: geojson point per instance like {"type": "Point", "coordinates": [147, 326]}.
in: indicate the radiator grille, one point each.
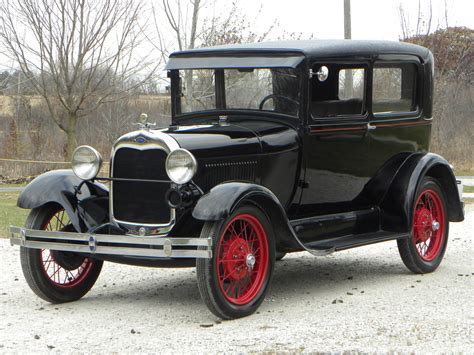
{"type": "Point", "coordinates": [137, 201]}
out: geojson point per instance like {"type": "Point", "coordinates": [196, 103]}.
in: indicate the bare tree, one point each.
{"type": "Point", "coordinates": [77, 54]}
{"type": "Point", "coordinates": [190, 29]}
{"type": "Point", "coordinates": [453, 51]}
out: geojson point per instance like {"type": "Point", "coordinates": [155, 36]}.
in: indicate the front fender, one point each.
{"type": "Point", "coordinates": [397, 204]}
{"type": "Point", "coordinates": [223, 199]}
{"type": "Point", "coordinates": [86, 209]}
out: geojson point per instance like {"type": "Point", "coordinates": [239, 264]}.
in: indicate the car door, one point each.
{"type": "Point", "coordinates": [396, 115]}
{"type": "Point", "coordinates": [335, 143]}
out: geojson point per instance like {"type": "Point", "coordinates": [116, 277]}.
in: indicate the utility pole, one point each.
{"type": "Point", "coordinates": [348, 80]}
{"type": "Point", "coordinates": [347, 19]}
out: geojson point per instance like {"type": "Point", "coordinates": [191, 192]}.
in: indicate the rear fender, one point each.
{"type": "Point", "coordinates": [397, 203]}
{"type": "Point", "coordinates": [86, 208]}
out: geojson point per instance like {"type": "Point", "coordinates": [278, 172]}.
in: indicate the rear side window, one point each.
{"type": "Point", "coordinates": [394, 88]}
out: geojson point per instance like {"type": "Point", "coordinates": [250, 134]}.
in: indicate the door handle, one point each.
{"type": "Point", "coordinates": [370, 127]}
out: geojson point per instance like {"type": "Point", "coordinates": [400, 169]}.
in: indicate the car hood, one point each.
{"type": "Point", "coordinates": [214, 140]}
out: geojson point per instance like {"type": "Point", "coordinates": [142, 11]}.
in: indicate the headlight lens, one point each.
{"type": "Point", "coordinates": [181, 166]}
{"type": "Point", "coordinates": [86, 162]}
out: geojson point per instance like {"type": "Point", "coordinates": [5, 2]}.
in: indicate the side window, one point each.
{"type": "Point", "coordinates": [394, 88]}
{"type": "Point", "coordinates": [337, 90]}
{"type": "Point", "coordinates": [351, 84]}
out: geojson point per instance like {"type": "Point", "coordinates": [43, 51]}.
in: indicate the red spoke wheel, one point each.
{"type": "Point", "coordinates": [234, 282]}
{"type": "Point", "coordinates": [57, 276]}
{"type": "Point", "coordinates": [425, 250]}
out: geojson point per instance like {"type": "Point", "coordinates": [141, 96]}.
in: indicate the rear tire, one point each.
{"type": "Point", "coordinates": [55, 276]}
{"type": "Point", "coordinates": [424, 250]}
{"type": "Point", "coordinates": [234, 282]}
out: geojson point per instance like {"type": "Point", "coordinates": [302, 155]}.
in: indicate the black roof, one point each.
{"type": "Point", "coordinates": [312, 48]}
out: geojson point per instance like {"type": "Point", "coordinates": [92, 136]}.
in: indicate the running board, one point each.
{"type": "Point", "coordinates": [353, 241]}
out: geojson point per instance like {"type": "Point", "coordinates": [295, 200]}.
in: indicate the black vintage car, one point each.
{"type": "Point", "coordinates": [273, 148]}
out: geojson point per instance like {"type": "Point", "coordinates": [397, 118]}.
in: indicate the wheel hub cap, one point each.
{"type": "Point", "coordinates": [435, 226]}
{"type": "Point", "coordinates": [250, 261]}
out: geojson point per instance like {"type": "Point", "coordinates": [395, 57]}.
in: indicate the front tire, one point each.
{"type": "Point", "coordinates": [424, 251]}
{"type": "Point", "coordinates": [234, 282]}
{"type": "Point", "coordinates": [56, 276]}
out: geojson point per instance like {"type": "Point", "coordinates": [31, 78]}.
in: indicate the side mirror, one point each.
{"type": "Point", "coordinates": [322, 73]}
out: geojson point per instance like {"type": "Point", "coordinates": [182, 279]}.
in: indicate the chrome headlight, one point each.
{"type": "Point", "coordinates": [181, 166]}
{"type": "Point", "coordinates": [86, 162]}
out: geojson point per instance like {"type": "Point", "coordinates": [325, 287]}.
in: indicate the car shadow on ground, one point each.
{"type": "Point", "coordinates": [294, 279]}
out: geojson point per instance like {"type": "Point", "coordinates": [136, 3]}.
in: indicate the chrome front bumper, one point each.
{"type": "Point", "coordinates": [108, 244]}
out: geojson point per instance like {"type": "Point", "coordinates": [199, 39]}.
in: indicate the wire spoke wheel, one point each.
{"type": "Point", "coordinates": [428, 224]}
{"type": "Point", "coordinates": [57, 276]}
{"type": "Point", "coordinates": [63, 269]}
{"type": "Point", "coordinates": [234, 282]}
{"type": "Point", "coordinates": [242, 259]}
{"type": "Point", "coordinates": [424, 250]}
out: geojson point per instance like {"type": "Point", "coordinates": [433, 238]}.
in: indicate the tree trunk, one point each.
{"type": "Point", "coordinates": [71, 134]}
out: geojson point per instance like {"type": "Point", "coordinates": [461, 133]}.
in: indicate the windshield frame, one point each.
{"type": "Point", "coordinates": [175, 81]}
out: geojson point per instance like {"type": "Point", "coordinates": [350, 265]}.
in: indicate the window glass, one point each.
{"type": "Point", "coordinates": [341, 93]}
{"type": "Point", "coordinates": [351, 84]}
{"type": "Point", "coordinates": [246, 89]}
{"type": "Point", "coordinates": [276, 89]}
{"type": "Point", "coordinates": [198, 90]}
{"type": "Point", "coordinates": [393, 88]}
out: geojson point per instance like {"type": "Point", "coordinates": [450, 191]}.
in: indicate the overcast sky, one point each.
{"type": "Point", "coordinates": [371, 19]}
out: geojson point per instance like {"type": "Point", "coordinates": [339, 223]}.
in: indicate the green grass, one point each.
{"type": "Point", "coordinates": [464, 172]}
{"type": "Point", "coordinates": [13, 185]}
{"type": "Point", "coordinates": [9, 213]}
{"type": "Point", "coordinates": [469, 189]}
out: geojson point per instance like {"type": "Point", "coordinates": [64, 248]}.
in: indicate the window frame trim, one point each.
{"type": "Point", "coordinates": [365, 64]}
{"type": "Point", "coordinates": [400, 115]}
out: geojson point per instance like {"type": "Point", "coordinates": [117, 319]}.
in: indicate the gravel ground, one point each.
{"type": "Point", "coordinates": [358, 300]}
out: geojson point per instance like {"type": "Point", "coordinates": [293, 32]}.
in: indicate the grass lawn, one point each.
{"type": "Point", "coordinates": [9, 213]}
{"type": "Point", "coordinates": [13, 185]}
{"type": "Point", "coordinates": [464, 172]}
{"type": "Point", "coordinates": [468, 189]}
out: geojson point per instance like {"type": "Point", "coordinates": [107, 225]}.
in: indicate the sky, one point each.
{"type": "Point", "coordinates": [371, 19]}
{"type": "Point", "coordinates": [323, 19]}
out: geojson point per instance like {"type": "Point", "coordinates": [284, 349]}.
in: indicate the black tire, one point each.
{"type": "Point", "coordinates": [211, 289]}
{"type": "Point", "coordinates": [408, 247]}
{"type": "Point", "coordinates": [279, 255]}
{"type": "Point", "coordinates": [36, 271]}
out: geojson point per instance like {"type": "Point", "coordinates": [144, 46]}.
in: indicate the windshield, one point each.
{"type": "Point", "coordinates": [275, 90]}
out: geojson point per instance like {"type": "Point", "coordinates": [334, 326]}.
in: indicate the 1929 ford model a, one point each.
{"type": "Point", "coordinates": [273, 148]}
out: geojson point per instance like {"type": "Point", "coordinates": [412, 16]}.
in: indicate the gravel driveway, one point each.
{"type": "Point", "coordinates": [358, 300]}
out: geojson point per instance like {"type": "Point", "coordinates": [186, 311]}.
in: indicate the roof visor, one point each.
{"type": "Point", "coordinates": [224, 62]}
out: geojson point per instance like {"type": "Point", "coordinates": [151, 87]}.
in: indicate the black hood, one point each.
{"type": "Point", "coordinates": [211, 141]}
{"type": "Point", "coordinates": [245, 137]}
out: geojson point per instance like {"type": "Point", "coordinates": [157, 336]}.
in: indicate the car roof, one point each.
{"type": "Point", "coordinates": [311, 48]}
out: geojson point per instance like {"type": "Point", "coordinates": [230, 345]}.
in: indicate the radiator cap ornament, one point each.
{"type": "Point", "coordinates": [143, 122]}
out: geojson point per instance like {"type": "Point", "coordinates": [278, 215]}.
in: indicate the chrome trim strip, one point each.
{"type": "Point", "coordinates": [125, 245]}
{"type": "Point", "coordinates": [154, 139]}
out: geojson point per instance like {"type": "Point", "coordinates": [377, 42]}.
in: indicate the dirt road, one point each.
{"type": "Point", "coordinates": [360, 300]}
